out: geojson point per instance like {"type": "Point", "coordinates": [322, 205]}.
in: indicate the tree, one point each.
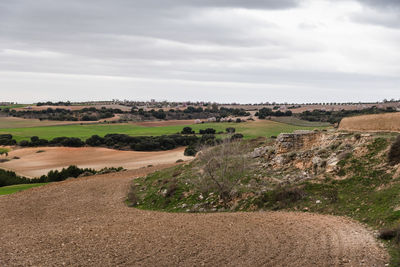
{"type": "Point", "coordinates": [187, 130]}
{"type": "Point", "coordinates": [230, 130]}
{"type": "Point", "coordinates": [223, 167]}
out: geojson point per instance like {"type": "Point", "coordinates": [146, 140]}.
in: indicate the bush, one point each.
{"type": "Point", "coordinates": [284, 197]}
{"type": "Point", "coordinates": [190, 151]}
{"type": "Point", "coordinates": [187, 130]}
{"type": "Point", "coordinates": [208, 131]}
{"type": "Point", "coordinates": [6, 140]}
{"type": "Point", "coordinates": [24, 143]}
{"type": "Point", "coordinates": [223, 168]}
{"type": "Point", "coordinates": [389, 234]}
{"type": "Point", "coordinates": [67, 141]}
{"type": "Point", "coordinates": [237, 136]}
{"type": "Point", "coordinates": [394, 152]}
{"type": "Point", "coordinates": [230, 130]}
{"type": "Point", "coordinates": [95, 140]}
{"type": "Point", "coordinates": [10, 178]}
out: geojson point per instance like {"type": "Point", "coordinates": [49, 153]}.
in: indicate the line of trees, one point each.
{"type": "Point", "coordinates": [60, 114]}
{"type": "Point", "coordinates": [187, 137]}
{"type": "Point", "coordinates": [11, 178]}
{"type": "Point", "coordinates": [94, 114]}
{"type": "Point", "coordinates": [267, 112]}
{"type": "Point", "coordinates": [337, 116]}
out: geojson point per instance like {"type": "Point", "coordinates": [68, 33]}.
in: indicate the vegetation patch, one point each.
{"type": "Point", "coordinates": [8, 178]}
{"type": "Point", "coordinates": [248, 129]}
{"type": "Point", "coordinates": [11, 189]}
{"type": "Point", "coordinates": [363, 186]}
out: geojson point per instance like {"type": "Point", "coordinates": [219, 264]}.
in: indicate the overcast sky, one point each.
{"type": "Point", "coordinates": [213, 50]}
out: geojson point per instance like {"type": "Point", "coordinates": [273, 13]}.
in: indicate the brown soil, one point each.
{"type": "Point", "coordinates": [33, 164]}
{"type": "Point", "coordinates": [84, 222]}
{"type": "Point", "coordinates": [389, 122]}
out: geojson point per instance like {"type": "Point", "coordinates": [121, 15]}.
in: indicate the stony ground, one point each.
{"type": "Point", "coordinates": [84, 222]}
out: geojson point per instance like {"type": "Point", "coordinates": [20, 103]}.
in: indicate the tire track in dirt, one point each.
{"type": "Point", "coordinates": [84, 222]}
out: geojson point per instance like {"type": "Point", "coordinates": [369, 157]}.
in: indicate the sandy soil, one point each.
{"type": "Point", "coordinates": [33, 164]}
{"type": "Point", "coordinates": [84, 222]}
{"type": "Point", "coordinates": [389, 122]}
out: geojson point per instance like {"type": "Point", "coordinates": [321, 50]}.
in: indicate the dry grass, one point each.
{"type": "Point", "coordinates": [389, 122]}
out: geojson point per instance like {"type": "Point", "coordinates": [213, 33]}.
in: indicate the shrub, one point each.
{"type": "Point", "coordinates": [67, 141]}
{"type": "Point", "coordinates": [187, 130]}
{"type": "Point", "coordinates": [394, 152]}
{"type": "Point", "coordinates": [11, 178]}
{"type": "Point", "coordinates": [230, 130]}
{"type": "Point", "coordinates": [286, 196]}
{"type": "Point", "coordinates": [223, 168]}
{"type": "Point", "coordinates": [208, 131]}
{"type": "Point", "coordinates": [6, 140]}
{"type": "Point", "coordinates": [237, 136]}
{"type": "Point", "coordinates": [389, 234]}
{"type": "Point", "coordinates": [95, 140]}
{"type": "Point", "coordinates": [190, 151]}
{"type": "Point", "coordinates": [24, 143]}
{"type": "Point", "coordinates": [289, 194]}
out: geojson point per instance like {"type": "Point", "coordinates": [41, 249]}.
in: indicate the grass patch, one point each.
{"type": "Point", "coordinates": [4, 150]}
{"type": "Point", "coordinates": [15, 106]}
{"type": "Point", "coordinates": [248, 129]}
{"type": "Point", "coordinates": [6, 190]}
{"type": "Point", "coordinates": [292, 120]}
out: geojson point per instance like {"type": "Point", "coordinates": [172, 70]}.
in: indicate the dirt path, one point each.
{"type": "Point", "coordinates": [84, 222]}
{"type": "Point", "coordinates": [33, 164]}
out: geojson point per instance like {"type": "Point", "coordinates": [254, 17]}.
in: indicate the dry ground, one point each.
{"type": "Point", "coordinates": [84, 222]}
{"type": "Point", "coordinates": [33, 164]}
{"type": "Point", "coordinates": [389, 122]}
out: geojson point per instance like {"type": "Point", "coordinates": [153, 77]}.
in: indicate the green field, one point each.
{"type": "Point", "coordinates": [4, 150]}
{"type": "Point", "coordinates": [5, 190]}
{"type": "Point", "coordinates": [15, 106]}
{"type": "Point", "coordinates": [298, 122]}
{"type": "Point", "coordinates": [248, 129]}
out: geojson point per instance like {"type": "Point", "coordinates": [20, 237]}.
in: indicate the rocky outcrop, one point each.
{"type": "Point", "coordinates": [260, 151]}
{"type": "Point", "coordinates": [298, 140]}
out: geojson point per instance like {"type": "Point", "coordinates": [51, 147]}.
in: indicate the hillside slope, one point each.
{"type": "Point", "coordinates": [85, 222]}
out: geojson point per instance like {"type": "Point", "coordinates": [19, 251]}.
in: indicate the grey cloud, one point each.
{"type": "Point", "coordinates": [385, 13]}
{"type": "Point", "coordinates": [203, 41]}
{"type": "Point", "coordinates": [381, 3]}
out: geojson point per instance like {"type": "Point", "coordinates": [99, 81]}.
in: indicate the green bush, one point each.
{"type": "Point", "coordinates": [394, 152]}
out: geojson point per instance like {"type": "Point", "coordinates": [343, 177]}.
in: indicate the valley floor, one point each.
{"type": "Point", "coordinates": [34, 164]}
{"type": "Point", "coordinates": [85, 222]}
